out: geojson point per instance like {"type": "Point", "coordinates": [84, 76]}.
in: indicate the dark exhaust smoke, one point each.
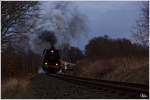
{"type": "Point", "coordinates": [59, 24]}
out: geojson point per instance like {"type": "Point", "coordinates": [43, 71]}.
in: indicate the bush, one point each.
{"type": "Point", "coordinates": [72, 54]}
{"type": "Point", "coordinates": [125, 69]}
{"type": "Point", "coordinates": [93, 69]}
{"type": "Point", "coordinates": [105, 47]}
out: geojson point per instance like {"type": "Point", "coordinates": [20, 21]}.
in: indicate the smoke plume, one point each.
{"type": "Point", "coordinates": [61, 18]}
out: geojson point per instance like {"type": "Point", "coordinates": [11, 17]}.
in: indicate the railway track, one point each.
{"type": "Point", "coordinates": [118, 89]}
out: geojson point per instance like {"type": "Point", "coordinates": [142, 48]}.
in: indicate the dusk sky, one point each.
{"type": "Point", "coordinates": [114, 18]}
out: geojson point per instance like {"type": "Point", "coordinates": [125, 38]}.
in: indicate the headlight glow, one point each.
{"type": "Point", "coordinates": [46, 63]}
{"type": "Point", "coordinates": [56, 64]}
{"type": "Point", "coordinates": [52, 51]}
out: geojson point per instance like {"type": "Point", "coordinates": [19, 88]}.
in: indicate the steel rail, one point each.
{"type": "Point", "coordinates": [133, 88]}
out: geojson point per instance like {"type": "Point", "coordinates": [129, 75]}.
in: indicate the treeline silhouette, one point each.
{"type": "Point", "coordinates": [18, 64]}
{"type": "Point", "coordinates": [105, 47]}
{"type": "Point", "coordinates": [71, 54]}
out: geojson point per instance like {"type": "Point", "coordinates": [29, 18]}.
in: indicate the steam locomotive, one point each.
{"type": "Point", "coordinates": [51, 60]}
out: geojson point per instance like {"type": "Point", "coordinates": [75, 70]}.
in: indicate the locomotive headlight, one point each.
{"type": "Point", "coordinates": [46, 63]}
{"type": "Point", "coordinates": [52, 51]}
{"type": "Point", "coordinates": [56, 64]}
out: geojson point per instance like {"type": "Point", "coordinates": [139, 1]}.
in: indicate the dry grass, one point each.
{"type": "Point", "coordinates": [94, 69]}
{"type": "Point", "coordinates": [132, 69]}
{"type": "Point", "coordinates": [15, 88]}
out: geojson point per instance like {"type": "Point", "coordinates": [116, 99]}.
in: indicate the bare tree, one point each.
{"type": "Point", "coordinates": [14, 16]}
{"type": "Point", "coordinates": [141, 33]}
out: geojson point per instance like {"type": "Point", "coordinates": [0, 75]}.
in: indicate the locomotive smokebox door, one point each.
{"type": "Point", "coordinates": [51, 60]}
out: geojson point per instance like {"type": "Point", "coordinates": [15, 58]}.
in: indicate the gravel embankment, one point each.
{"type": "Point", "coordinates": [46, 87]}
